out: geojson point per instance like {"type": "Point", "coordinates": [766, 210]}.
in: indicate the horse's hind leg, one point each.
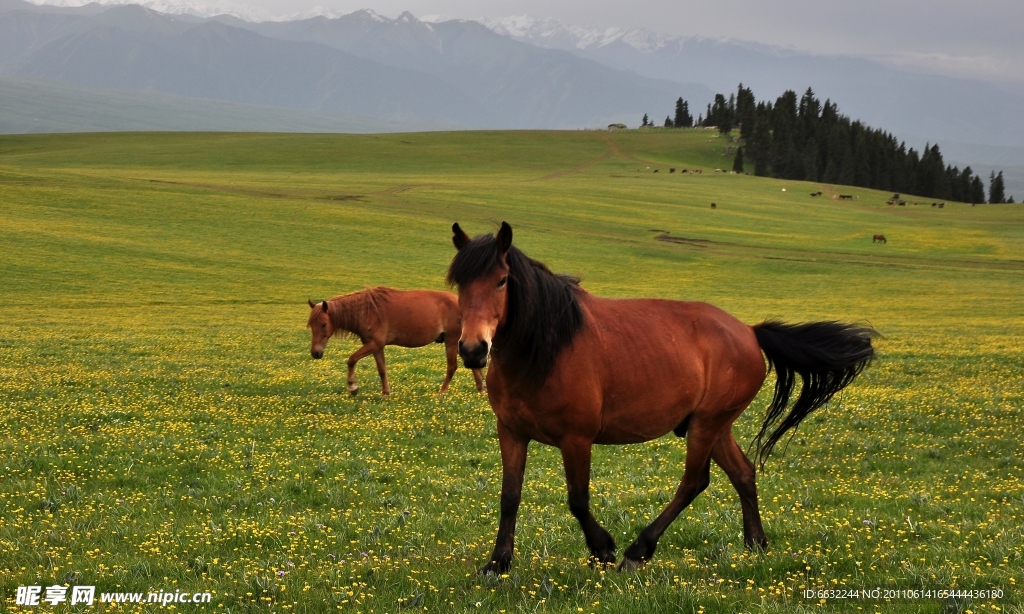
{"type": "Point", "coordinates": [728, 455]}
{"type": "Point", "coordinates": [451, 352]}
{"type": "Point", "coordinates": [576, 457]}
{"type": "Point", "coordinates": [696, 478]}
{"type": "Point", "coordinates": [382, 370]}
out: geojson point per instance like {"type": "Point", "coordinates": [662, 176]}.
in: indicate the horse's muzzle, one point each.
{"type": "Point", "coordinates": [317, 355]}
{"type": "Point", "coordinates": [474, 357]}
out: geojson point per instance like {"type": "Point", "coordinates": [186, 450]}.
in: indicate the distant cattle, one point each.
{"type": "Point", "coordinates": [941, 205]}
{"type": "Point", "coordinates": [671, 170]}
{"type": "Point", "coordinates": [815, 193]}
{"type": "Point", "coordinates": [655, 170]}
{"type": "Point", "coordinates": [846, 197]}
{"type": "Point", "coordinates": [714, 206]}
{"type": "Point", "coordinates": [878, 239]}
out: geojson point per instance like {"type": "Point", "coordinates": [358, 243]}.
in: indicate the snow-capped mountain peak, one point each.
{"type": "Point", "coordinates": [554, 34]}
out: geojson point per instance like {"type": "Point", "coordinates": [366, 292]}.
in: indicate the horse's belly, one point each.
{"type": "Point", "coordinates": [643, 413]}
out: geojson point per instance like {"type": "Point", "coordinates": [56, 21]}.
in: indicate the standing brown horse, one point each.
{"type": "Point", "coordinates": [878, 239]}
{"type": "Point", "coordinates": [571, 370]}
{"type": "Point", "coordinates": [383, 316]}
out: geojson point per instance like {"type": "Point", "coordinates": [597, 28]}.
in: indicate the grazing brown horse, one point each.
{"type": "Point", "coordinates": [570, 370]}
{"type": "Point", "coordinates": [383, 316]}
{"type": "Point", "coordinates": [878, 239]}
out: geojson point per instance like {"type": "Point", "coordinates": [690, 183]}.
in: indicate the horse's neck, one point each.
{"type": "Point", "coordinates": [356, 313]}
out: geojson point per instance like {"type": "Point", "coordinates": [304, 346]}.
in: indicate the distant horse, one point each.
{"type": "Point", "coordinates": [383, 316]}
{"type": "Point", "coordinates": [878, 239]}
{"type": "Point", "coordinates": [571, 370]}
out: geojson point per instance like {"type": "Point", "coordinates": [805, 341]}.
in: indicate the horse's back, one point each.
{"type": "Point", "coordinates": [416, 317]}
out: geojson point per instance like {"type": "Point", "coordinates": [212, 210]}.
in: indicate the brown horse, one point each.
{"type": "Point", "coordinates": [571, 370]}
{"type": "Point", "coordinates": [383, 316]}
{"type": "Point", "coordinates": [878, 239]}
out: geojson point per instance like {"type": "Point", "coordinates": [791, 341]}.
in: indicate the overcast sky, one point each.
{"type": "Point", "coordinates": [974, 38]}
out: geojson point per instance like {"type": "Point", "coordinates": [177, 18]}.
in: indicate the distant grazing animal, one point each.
{"type": "Point", "coordinates": [714, 206]}
{"type": "Point", "coordinates": [383, 316]}
{"type": "Point", "coordinates": [815, 193]}
{"type": "Point", "coordinates": [671, 170]}
{"type": "Point", "coordinates": [941, 205]}
{"type": "Point", "coordinates": [570, 370]}
{"type": "Point", "coordinates": [878, 239]}
{"type": "Point", "coordinates": [845, 196]}
{"type": "Point", "coordinates": [655, 170]}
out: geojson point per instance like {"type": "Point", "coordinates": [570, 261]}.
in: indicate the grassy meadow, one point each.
{"type": "Point", "coordinates": [164, 427]}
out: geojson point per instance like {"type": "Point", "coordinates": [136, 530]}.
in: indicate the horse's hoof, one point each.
{"type": "Point", "coordinates": [629, 565]}
{"type": "Point", "coordinates": [495, 567]}
{"type": "Point", "coordinates": [353, 390]}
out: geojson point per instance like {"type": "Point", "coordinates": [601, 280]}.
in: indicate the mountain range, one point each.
{"type": "Point", "coordinates": [363, 71]}
{"type": "Point", "coordinates": [458, 74]}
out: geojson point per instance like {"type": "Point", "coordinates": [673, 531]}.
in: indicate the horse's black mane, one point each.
{"type": "Point", "coordinates": [543, 313]}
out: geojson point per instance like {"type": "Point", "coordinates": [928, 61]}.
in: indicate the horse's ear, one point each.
{"type": "Point", "coordinates": [324, 306]}
{"type": "Point", "coordinates": [505, 237]}
{"type": "Point", "coordinates": [459, 236]}
{"type": "Point", "coordinates": [311, 303]}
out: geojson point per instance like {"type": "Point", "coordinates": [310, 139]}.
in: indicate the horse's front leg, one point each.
{"type": "Point", "coordinates": [576, 457]}
{"type": "Point", "coordinates": [364, 351]}
{"type": "Point", "coordinates": [478, 377]}
{"type": "Point", "coordinates": [382, 371]}
{"type": "Point", "coordinates": [513, 466]}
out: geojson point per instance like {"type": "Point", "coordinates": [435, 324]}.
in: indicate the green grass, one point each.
{"type": "Point", "coordinates": [164, 426]}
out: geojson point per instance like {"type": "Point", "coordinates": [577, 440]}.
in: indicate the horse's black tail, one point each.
{"type": "Point", "coordinates": [827, 355]}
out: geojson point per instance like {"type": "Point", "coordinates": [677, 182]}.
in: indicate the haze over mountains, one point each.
{"type": "Point", "coordinates": [365, 72]}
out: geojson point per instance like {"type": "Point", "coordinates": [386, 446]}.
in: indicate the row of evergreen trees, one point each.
{"type": "Point", "coordinates": [805, 139]}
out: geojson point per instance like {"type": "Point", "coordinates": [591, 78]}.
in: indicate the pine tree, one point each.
{"type": "Point", "coordinates": [760, 143]}
{"type": "Point", "coordinates": [668, 122]}
{"type": "Point", "coordinates": [977, 190]}
{"type": "Point", "coordinates": [996, 189]}
{"type": "Point", "coordinates": [746, 109]}
{"type": "Point", "coordinates": [737, 164]}
{"type": "Point", "coordinates": [646, 122]}
{"type": "Point", "coordinates": [683, 118]}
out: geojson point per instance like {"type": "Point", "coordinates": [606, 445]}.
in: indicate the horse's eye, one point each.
{"type": "Point", "coordinates": [503, 281]}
